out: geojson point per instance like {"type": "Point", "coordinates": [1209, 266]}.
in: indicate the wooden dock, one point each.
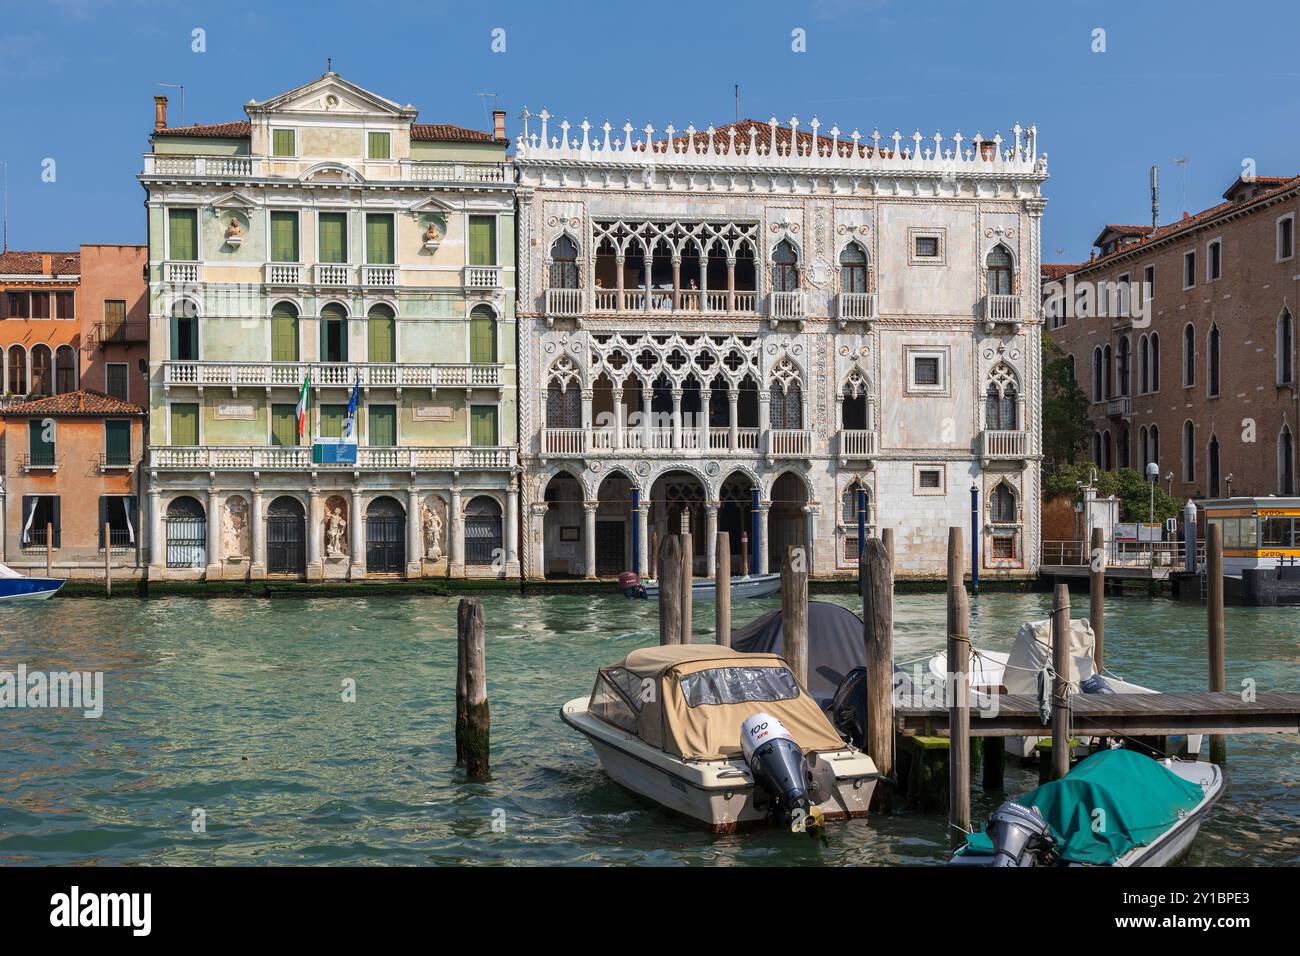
{"type": "Point", "coordinates": [1102, 715]}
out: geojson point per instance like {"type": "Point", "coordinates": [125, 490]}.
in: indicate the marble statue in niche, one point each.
{"type": "Point", "coordinates": [433, 527]}
{"type": "Point", "coordinates": [336, 527]}
{"type": "Point", "coordinates": [234, 526]}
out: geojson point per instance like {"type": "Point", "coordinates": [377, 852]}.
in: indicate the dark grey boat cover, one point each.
{"type": "Point", "coordinates": [834, 645]}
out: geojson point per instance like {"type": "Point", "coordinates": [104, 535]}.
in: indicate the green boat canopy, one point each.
{"type": "Point", "coordinates": [1108, 804]}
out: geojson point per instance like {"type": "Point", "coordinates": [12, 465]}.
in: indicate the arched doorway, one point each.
{"type": "Point", "coordinates": [385, 536]}
{"type": "Point", "coordinates": [482, 532]}
{"type": "Point", "coordinates": [562, 527]}
{"type": "Point", "coordinates": [286, 545]}
{"type": "Point", "coordinates": [187, 534]}
{"type": "Point", "coordinates": [787, 522]}
{"type": "Point", "coordinates": [735, 516]}
{"type": "Point", "coordinates": [677, 505]}
{"type": "Point", "coordinates": [614, 526]}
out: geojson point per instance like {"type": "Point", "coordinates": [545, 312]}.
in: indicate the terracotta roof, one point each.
{"type": "Point", "coordinates": [15, 262]}
{"type": "Point", "coordinates": [235, 130]}
{"type": "Point", "coordinates": [1054, 270]}
{"type": "Point", "coordinates": [1192, 222]}
{"type": "Point", "coordinates": [84, 402]}
{"type": "Point", "coordinates": [447, 133]}
{"type": "Point", "coordinates": [1126, 230]}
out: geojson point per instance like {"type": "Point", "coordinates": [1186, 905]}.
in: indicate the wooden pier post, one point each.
{"type": "Point", "coordinates": [1061, 682]}
{"type": "Point", "coordinates": [1214, 625]}
{"type": "Point", "coordinates": [687, 580]}
{"type": "Point", "coordinates": [722, 585]}
{"type": "Point", "coordinates": [958, 715]}
{"type": "Point", "coordinates": [956, 565]}
{"type": "Point", "coordinates": [670, 591]}
{"type": "Point", "coordinates": [878, 641]}
{"type": "Point", "coordinates": [1097, 594]}
{"type": "Point", "coordinates": [108, 561]}
{"type": "Point", "coordinates": [472, 718]}
{"type": "Point", "coordinates": [794, 611]}
{"type": "Point", "coordinates": [49, 549]}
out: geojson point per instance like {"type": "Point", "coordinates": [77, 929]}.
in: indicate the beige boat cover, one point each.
{"type": "Point", "coordinates": [1033, 651]}
{"type": "Point", "coordinates": [652, 681]}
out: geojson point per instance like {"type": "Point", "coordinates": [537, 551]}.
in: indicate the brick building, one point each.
{"type": "Point", "coordinates": [1183, 338]}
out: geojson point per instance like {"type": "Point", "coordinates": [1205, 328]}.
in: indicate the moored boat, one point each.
{"type": "Point", "coordinates": [1116, 808]}
{"type": "Point", "coordinates": [18, 587]}
{"type": "Point", "coordinates": [725, 738]}
{"type": "Point", "coordinates": [705, 589]}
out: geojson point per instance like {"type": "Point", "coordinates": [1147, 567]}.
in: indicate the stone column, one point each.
{"type": "Point", "coordinates": [257, 535]}
{"type": "Point", "coordinates": [589, 538]}
{"type": "Point", "coordinates": [677, 417]}
{"type": "Point", "coordinates": [315, 561]}
{"type": "Point", "coordinates": [618, 264]}
{"type": "Point", "coordinates": [455, 535]}
{"type": "Point", "coordinates": [617, 394]}
{"type": "Point", "coordinates": [357, 527]}
{"type": "Point", "coordinates": [764, 422]}
{"type": "Point", "coordinates": [214, 535]}
{"type": "Point", "coordinates": [414, 532]}
{"type": "Point", "coordinates": [733, 418]}
{"type": "Point", "coordinates": [677, 283]}
{"type": "Point", "coordinates": [643, 539]}
{"type": "Point", "coordinates": [157, 540]}
{"type": "Point", "coordinates": [647, 416]}
{"type": "Point", "coordinates": [512, 528]}
{"type": "Point", "coordinates": [706, 396]}
{"type": "Point", "coordinates": [731, 284]}
{"type": "Point", "coordinates": [763, 541]}
{"type": "Point", "coordinates": [711, 535]}
{"type": "Point", "coordinates": [536, 544]}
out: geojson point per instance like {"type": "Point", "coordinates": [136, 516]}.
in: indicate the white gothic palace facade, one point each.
{"type": "Point", "coordinates": [781, 331]}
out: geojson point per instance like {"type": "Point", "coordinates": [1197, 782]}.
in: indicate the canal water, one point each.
{"type": "Point", "coordinates": [235, 708]}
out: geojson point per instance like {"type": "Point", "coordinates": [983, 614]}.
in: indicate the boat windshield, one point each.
{"type": "Point", "coordinates": [738, 685]}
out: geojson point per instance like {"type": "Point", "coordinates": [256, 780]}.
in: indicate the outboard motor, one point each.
{"type": "Point", "coordinates": [849, 707]}
{"type": "Point", "coordinates": [779, 769]}
{"type": "Point", "coordinates": [629, 582]}
{"type": "Point", "coordinates": [1020, 835]}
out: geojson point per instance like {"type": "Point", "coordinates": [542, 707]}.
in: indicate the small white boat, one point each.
{"type": "Point", "coordinates": [705, 589]}
{"type": "Point", "coordinates": [18, 587]}
{"type": "Point", "coordinates": [1017, 673]}
{"type": "Point", "coordinates": [725, 738]}
{"type": "Point", "coordinates": [1117, 808]}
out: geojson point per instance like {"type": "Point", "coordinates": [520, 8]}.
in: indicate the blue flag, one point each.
{"type": "Point", "coordinates": [350, 423]}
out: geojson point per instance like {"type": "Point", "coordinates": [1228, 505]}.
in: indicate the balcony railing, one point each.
{"type": "Point", "coordinates": [661, 300]}
{"type": "Point", "coordinates": [483, 277]}
{"type": "Point", "coordinates": [115, 462]}
{"type": "Point", "coordinates": [564, 303]}
{"type": "Point", "coordinates": [855, 306]}
{"type": "Point", "coordinates": [121, 333]}
{"type": "Point", "coordinates": [184, 271]}
{"type": "Point", "coordinates": [283, 273]}
{"type": "Point", "coordinates": [161, 164]}
{"type": "Point", "coordinates": [857, 443]}
{"type": "Point", "coordinates": [999, 444]}
{"type": "Point", "coordinates": [786, 306]}
{"type": "Point", "coordinates": [379, 277]}
{"type": "Point", "coordinates": [344, 374]}
{"type": "Point", "coordinates": [1001, 308]}
{"type": "Point", "coordinates": [789, 443]}
{"type": "Point", "coordinates": [1119, 407]}
{"type": "Point", "coordinates": [43, 460]}
{"type": "Point", "coordinates": [333, 273]}
{"type": "Point", "coordinates": [562, 442]}
{"type": "Point", "coordinates": [299, 457]}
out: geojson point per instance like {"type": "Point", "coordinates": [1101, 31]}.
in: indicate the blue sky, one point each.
{"type": "Point", "coordinates": [1177, 79]}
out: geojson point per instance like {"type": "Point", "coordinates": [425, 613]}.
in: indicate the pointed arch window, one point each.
{"type": "Point", "coordinates": [1189, 356]}
{"type": "Point", "coordinates": [785, 267]}
{"type": "Point", "coordinates": [786, 405]}
{"type": "Point", "coordinates": [1097, 375]}
{"type": "Point", "coordinates": [1001, 401]}
{"type": "Point", "coordinates": [1286, 462]}
{"type": "Point", "coordinates": [1212, 362]}
{"type": "Point", "coordinates": [853, 269]}
{"type": "Point", "coordinates": [65, 370]}
{"type": "Point", "coordinates": [1214, 465]}
{"type": "Point", "coordinates": [1122, 365]}
{"type": "Point", "coordinates": [17, 370]}
{"type": "Point", "coordinates": [42, 370]}
{"type": "Point", "coordinates": [1285, 349]}
{"type": "Point", "coordinates": [1189, 451]}
{"type": "Point", "coordinates": [1153, 442]}
{"type": "Point", "coordinates": [1000, 271]}
{"type": "Point", "coordinates": [1154, 346]}
{"type": "Point", "coordinates": [564, 263]}
{"type": "Point", "coordinates": [1002, 504]}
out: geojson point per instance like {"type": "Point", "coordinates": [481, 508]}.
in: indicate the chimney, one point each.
{"type": "Point", "coordinates": [499, 124]}
{"type": "Point", "coordinates": [160, 112]}
{"type": "Point", "coordinates": [47, 264]}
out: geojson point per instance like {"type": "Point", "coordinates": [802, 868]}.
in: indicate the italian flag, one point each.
{"type": "Point", "coordinates": [302, 408]}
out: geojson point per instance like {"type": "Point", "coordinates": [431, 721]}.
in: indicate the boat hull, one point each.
{"type": "Point", "coordinates": [705, 589]}
{"type": "Point", "coordinates": [719, 794]}
{"type": "Point", "coordinates": [28, 589]}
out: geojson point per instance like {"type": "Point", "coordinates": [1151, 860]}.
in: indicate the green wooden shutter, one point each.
{"type": "Point", "coordinates": [117, 442]}
{"type": "Point", "coordinates": [482, 339]}
{"type": "Point", "coordinates": [39, 450]}
{"type": "Point", "coordinates": [382, 338]}
{"type": "Point", "coordinates": [283, 142]}
{"type": "Point", "coordinates": [379, 239]}
{"type": "Point", "coordinates": [482, 240]}
{"type": "Point", "coordinates": [331, 420]}
{"type": "Point", "coordinates": [284, 237]}
{"type": "Point", "coordinates": [284, 424]}
{"type": "Point", "coordinates": [383, 425]}
{"type": "Point", "coordinates": [185, 423]}
{"type": "Point", "coordinates": [183, 233]}
{"type": "Point", "coordinates": [333, 237]}
{"type": "Point", "coordinates": [378, 146]}
{"type": "Point", "coordinates": [483, 425]}
{"type": "Point", "coordinates": [284, 334]}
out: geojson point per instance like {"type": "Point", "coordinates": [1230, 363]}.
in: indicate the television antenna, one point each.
{"type": "Point", "coordinates": [181, 87]}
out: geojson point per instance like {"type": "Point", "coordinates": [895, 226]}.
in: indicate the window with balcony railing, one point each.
{"type": "Point", "coordinates": [40, 444]}
{"type": "Point", "coordinates": [117, 443]}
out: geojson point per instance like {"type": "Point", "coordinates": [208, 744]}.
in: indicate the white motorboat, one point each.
{"type": "Point", "coordinates": [705, 589]}
{"type": "Point", "coordinates": [725, 738]}
{"type": "Point", "coordinates": [1116, 808]}
{"type": "Point", "coordinates": [19, 587]}
{"type": "Point", "coordinates": [1017, 673]}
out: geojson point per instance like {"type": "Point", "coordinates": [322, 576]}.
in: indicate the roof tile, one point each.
{"type": "Point", "coordinates": [83, 402]}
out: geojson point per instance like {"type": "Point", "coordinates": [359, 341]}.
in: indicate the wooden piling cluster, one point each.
{"type": "Point", "coordinates": [877, 577]}
{"type": "Point", "coordinates": [473, 723]}
{"type": "Point", "coordinates": [670, 590]}
{"type": "Point", "coordinates": [794, 612]}
{"type": "Point", "coordinates": [722, 583]}
{"type": "Point", "coordinates": [1060, 681]}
